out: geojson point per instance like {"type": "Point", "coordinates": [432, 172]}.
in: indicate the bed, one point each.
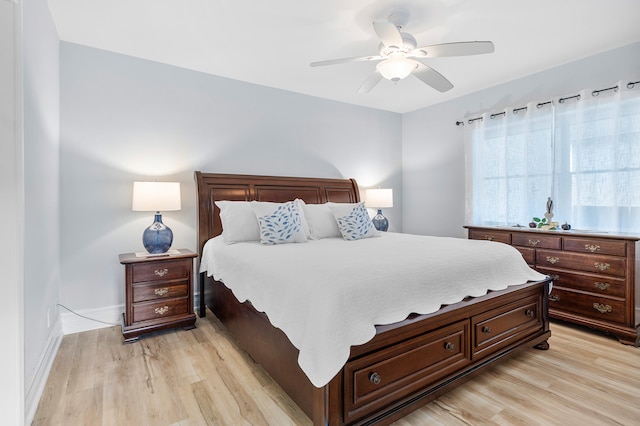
{"type": "Point", "coordinates": [407, 363]}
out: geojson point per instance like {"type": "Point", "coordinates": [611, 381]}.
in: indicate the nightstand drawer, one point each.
{"type": "Point", "coordinates": [166, 270]}
{"type": "Point", "coordinates": [162, 309]}
{"type": "Point", "coordinates": [164, 290]}
{"type": "Point", "coordinates": [536, 241]}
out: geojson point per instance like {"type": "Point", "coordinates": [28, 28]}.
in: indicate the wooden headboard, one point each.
{"type": "Point", "coordinates": [213, 187]}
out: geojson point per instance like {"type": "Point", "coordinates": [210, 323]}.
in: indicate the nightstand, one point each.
{"type": "Point", "coordinates": [159, 293]}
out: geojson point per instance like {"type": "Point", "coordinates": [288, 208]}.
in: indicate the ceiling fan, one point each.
{"type": "Point", "coordinates": [400, 56]}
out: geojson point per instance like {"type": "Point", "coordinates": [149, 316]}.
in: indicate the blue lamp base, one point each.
{"type": "Point", "coordinates": [380, 222]}
{"type": "Point", "coordinates": [157, 238]}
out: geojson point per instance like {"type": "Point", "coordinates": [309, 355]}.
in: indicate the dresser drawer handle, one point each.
{"type": "Point", "coordinates": [553, 260]}
{"type": "Point", "coordinates": [534, 242]}
{"type": "Point", "coordinates": [601, 286]}
{"type": "Point", "coordinates": [161, 272]}
{"type": "Point", "coordinates": [375, 378]}
{"type": "Point", "coordinates": [554, 298]}
{"type": "Point", "coordinates": [489, 237]}
{"type": "Point", "coordinates": [486, 329]}
{"type": "Point", "coordinates": [161, 291]}
{"type": "Point", "coordinates": [530, 313]}
{"type": "Point", "coordinates": [555, 277]}
{"type": "Point", "coordinates": [592, 247]}
{"type": "Point", "coordinates": [450, 346]}
{"type": "Point", "coordinates": [162, 311]}
{"type": "Point", "coordinates": [603, 309]}
{"type": "Point", "coordinates": [602, 266]}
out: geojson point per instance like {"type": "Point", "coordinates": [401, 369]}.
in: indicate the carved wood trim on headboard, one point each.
{"type": "Point", "coordinates": [211, 187]}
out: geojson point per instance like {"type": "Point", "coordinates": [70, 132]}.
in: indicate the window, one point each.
{"type": "Point", "coordinates": [583, 152]}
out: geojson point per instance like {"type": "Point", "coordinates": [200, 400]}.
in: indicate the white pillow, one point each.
{"type": "Point", "coordinates": [353, 220]}
{"type": "Point", "coordinates": [303, 219]}
{"type": "Point", "coordinates": [239, 223]}
{"type": "Point", "coordinates": [279, 223]}
{"type": "Point", "coordinates": [321, 222]}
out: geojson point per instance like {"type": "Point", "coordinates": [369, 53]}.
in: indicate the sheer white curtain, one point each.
{"type": "Point", "coordinates": [582, 152]}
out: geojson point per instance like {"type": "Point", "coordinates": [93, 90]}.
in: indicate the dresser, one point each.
{"type": "Point", "coordinates": [158, 293]}
{"type": "Point", "coordinates": [596, 277]}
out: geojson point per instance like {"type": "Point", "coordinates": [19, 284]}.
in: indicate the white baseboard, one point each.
{"type": "Point", "coordinates": [107, 316]}
{"type": "Point", "coordinates": [35, 388]}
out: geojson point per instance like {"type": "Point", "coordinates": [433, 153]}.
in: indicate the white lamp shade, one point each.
{"type": "Point", "coordinates": [378, 198]}
{"type": "Point", "coordinates": [156, 196]}
{"type": "Point", "coordinates": [396, 69]}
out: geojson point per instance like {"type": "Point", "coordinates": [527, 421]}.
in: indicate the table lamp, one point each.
{"type": "Point", "coordinates": [156, 196]}
{"type": "Point", "coordinates": [379, 199]}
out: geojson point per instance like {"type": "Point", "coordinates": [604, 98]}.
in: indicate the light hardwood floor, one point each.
{"type": "Point", "coordinates": [200, 377]}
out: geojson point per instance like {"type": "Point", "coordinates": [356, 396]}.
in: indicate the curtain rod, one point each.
{"type": "Point", "coordinates": [615, 88]}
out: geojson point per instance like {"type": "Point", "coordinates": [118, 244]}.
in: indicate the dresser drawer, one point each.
{"type": "Point", "coordinates": [536, 241]}
{"type": "Point", "coordinates": [166, 270]}
{"type": "Point", "coordinates": [505, 325]}
{"type": "Point", "coordinates": [161, 309]}
{"type": "Point", "coordinates": [587, 305]}
{"type": "Point", "coordinates": [163, 290]}
{"type": "Point", "coordinates": [609, 265]}
{"type": "Point", "coordinates": [384, 377]}
{"type": "Point", "coordinates": [584, 245]}
{"type": "Point", "coordinates": [490, 235]}
{"type": "Point", "coordinates": [597, 284]}
{"type": "Point", "coordinates": [528, 254]}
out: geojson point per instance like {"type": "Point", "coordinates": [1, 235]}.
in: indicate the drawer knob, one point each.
{"type": "Point", "coordinates": [486, 329]}
{"type": "Point", "coordinates": [601, 266]}
{"type": "Point", "coordinates": [161, 291]}
{"type": "Point", "coordinates": [530, 313]}
{"type": "Point", "coordinates": [161, 311]}
{"type": "Point", "coordinates": [375, 378]}
{"type": "Point", "coordinates": [450, 346]}
{"type": "Point", "coordinates": [601, 286]}
{"type": "Point", "coordinates": [592, 247]}
{"type": "Point", "coordinates": [553, 260]}
{"type": "Point", "coordinates": [555, 277]}
{"type": "Point", "coordinates": [603, 309]}
{"type": "Point", "coordinates": [489, 237]}
{"type": "Point", "coordinates": [554, 298]}
{"type": "Point", "coordinates": [161, 272]}
{"type": "Point", "coordinates": [534, 242]}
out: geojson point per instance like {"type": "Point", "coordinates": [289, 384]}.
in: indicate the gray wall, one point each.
{"type": "Point", "coordinates": [125, 119]}
{"type": "Point", "coordinates": [433, 172]}
{"type": "Point", "coordinates": [41, 171]}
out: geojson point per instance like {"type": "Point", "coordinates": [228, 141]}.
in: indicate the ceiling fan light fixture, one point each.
{"type": "Point", "coordinates": [395, 69]}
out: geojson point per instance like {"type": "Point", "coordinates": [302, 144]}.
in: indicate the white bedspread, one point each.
{"type": "Point", "coordinates": [327, 295]}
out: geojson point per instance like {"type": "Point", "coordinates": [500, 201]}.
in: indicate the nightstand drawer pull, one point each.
{"type": "Point", "coordinates": [161, 291]}
{"type": "Point", "coordinates": [602, 266]}
{"type": "Point", "coordinates": [161, 311]}
{"type": "Point", "coordinates": [534, 242]}
{"type": "Point", "coordinates": [601, 286]}
{"type": "Point", "coordinates": [530, 313]}
{"type": "Point", "coordinates": [486, 329]}
{"type": "Point", "coordinates": [553, 260]}
{"type": "Point", "coordinates": [375, 378]}
{"type": "Point", "coordinates": [161, 272]}
{"type": "Point", "coordinates": [603, 309]}
{"type": "Point", "coordinates": [488, 237]}
{"type": "Point", "coordinates": [592, 247]}
{"type": "Point", "coordinates": [450, 346]}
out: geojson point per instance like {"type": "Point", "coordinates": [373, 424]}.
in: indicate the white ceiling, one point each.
{"type": "Point", "coordinates": [271, 43]}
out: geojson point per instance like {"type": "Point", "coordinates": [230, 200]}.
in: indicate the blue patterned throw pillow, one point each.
{"type": "Point", "coordinates": [353, 221]}
{"type": "Point", "coordinates": [279, 223]}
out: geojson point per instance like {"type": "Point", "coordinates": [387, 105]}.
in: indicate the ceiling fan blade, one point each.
{"type": "Point", "coordinates": [371, 82]}
{"type": "Point", "coordinates": [388, 34]}
{"type": "Point", "coordinates": [463, 48]}
{"type": "Point", "coordinates": [346, 60]}
{"type": "Point", "coordinates": [432, 78]}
